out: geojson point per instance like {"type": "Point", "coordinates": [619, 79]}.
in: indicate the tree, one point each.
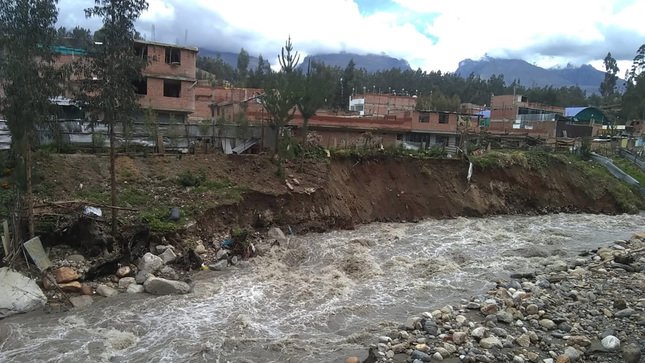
{"type": "Point", "coordinates": [242, 67]}
{"type": "Point", "coordinates": [107, 75]}
{"type": "Point", "coordinates": [311, 95]}
{"type": "Point", "coordinates": [633, 101]}
{"type": "Point", "coordinates": [28, 75]}
{"type": "Point", "coordinates": [279, 99]}
{"type": "Point", "coordinates": [608, 85]}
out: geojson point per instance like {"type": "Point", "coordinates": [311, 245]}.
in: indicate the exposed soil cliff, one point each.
{"type": "Point", "coordinates": [395, 189]}
{"type": "Point", "coordinates": [221, 192]}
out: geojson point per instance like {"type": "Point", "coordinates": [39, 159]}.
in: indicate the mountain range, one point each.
{"type": "Point", "coordinates": [370, 62]}
{"type": "Point", "coordinates": [586, 77]}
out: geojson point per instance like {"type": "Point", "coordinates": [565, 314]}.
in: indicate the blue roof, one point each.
{"type": "Point", "coordinates": [572, 111]}
{"type": "Point", "coordinates": [484, 113]}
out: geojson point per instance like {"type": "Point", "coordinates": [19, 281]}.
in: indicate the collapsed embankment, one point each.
{"type": "Point", "coordinates": [358, 191]}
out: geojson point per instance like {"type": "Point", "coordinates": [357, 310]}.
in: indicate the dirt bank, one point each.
{"type": "Point", "coordinates": [220, 192]}
{"type": "Point", "coordinates": [355, 192]}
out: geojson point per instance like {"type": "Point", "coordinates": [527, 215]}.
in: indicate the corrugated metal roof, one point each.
{"type": "Point", "coordinates": [572, 111]}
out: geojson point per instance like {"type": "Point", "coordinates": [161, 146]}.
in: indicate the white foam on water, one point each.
{"type": "Point", "coordinates": [315, 299]}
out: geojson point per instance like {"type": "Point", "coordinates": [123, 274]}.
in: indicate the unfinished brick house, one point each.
{"type": "Point", "coordinates": [169, 80]}
{"type": "Point", "coordinates": [514, 114]}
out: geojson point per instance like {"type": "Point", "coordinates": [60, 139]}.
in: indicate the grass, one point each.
{"type": "Point", "coordinates": [157, 220]}
{"type": "Point", "coordinates": [596, 179]}
{"type": "Point", "coordinates": [631, 169]}
{"type": "Point", "coordinates": [533, 160]}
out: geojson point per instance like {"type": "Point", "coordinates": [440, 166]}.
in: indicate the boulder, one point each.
{"type": "Point", "coordinates": [199, 248]}
{"type": "Point", "coordinates": [106, 291]}
{"type": "Point", "coordinates": [125, 282]}
{"type": "Point", "coordinates": [160, 286]}
{"type": "Point", "coordinates": [167, 272]}
{"type": "Point", "coordinates": [123, 271]}
{"type": "Point", "coordinates": [135, 289]}
{"type": "Point", "coordinates": [86, 289]}
{"type": "Point", "coordinates": [65, 274]}
{"type": "Point", "coordinates": [73, 286]}
{"type": "Point", "coordinates": [142, 276]}
{"type": "Point", "coordinates": [168, 256]}
{"type": "Point", "coordinates": [81, 301]}
{"type": "Point", "coordinates": [18, 293]}
{"type": "Point", "coordinates": [276, 234]}
{"type": "Point", "coordinates": [150, 263]}
{"type": "Point", "coordinates": [219, 265]}
{"type": "Point", "coordinates": [490, 342]}
{"type": "Point", "coordinates": [610, 342]}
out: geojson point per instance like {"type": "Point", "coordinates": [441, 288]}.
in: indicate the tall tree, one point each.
{"type": "Point", "coordinates": [311, 94]}
{"type": "Point", "coordinates": [107, 87]}
{"type": "Point", "coordinates": [633, 101]}
{"type": "Point", "coordinates": [28, 76]}
{"type": "Point", "coordinates": [279, 99]}
{"type": "Point", "coordinates": [608, 85]}
{"type": "Point", "coordinates": [242, 67]}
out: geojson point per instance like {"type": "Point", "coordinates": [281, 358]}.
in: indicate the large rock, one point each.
{"type": "Point", "coordinates": [81, 301]}
{"type": "Point", "coordinates": [135, 289]}
{"type": "Point", "coordinates": [276, 234]}
{"type": "Point", "coordinates": [73, 286]}
{"type": "Point", "coordinates": [106, 291]}
{"type": "Point", "coordinates": [65, 274]}
{"type": "Point", "coordinates": [490, 342]}
{"type": "Point", "coordinates": [125, 282]}
{"type": "Point", "coordinates": [18, 293]}
{"type": "Point", "coordinates": [150, 263]}
{"type": "Point", "coordinates": [168, 256]}
{"type": "Point", "coordinates": [123, 271]}
{"type": "Point", "coordinates": [160, 286]}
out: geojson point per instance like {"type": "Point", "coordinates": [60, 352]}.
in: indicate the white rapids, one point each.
{"type": "Point", "coordinates": [320, 298]}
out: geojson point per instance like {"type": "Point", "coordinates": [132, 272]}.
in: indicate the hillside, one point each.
{"type": "Point", "coordinates": [370, 62]}
{"type": "Point", "coordinates": [586, 77]}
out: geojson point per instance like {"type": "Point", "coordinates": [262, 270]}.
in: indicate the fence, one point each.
{"type": "Point", "coordinates": [174, 136]}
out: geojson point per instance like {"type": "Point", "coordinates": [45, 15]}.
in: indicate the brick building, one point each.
{"type": "Point", "coordinates": [169, 79]}
{"type": "Point", "coordinates": [514, 114]}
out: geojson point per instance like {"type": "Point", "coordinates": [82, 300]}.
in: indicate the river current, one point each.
{"type": "Point", "coordinates": [320, 298]}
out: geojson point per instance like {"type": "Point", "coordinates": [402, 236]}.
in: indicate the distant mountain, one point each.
{"type": "Point", "coordinates": [229, 58]}
{"type": "Point", "coordinates": [586, 77]}
{"type": "Point", "coordinates": [370, 62]}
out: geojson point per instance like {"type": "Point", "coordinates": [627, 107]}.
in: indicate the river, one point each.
{"type": "Point", "coordinates": [319, 299]}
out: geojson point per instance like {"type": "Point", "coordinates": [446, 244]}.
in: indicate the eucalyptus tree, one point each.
{"type": "Point", "coordinates": [108, 74]}
{"type": "Point", "coordinates": [28, 77]}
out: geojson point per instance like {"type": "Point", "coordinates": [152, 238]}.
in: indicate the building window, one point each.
{"type": "Point", "coordinates": [441, 140]}
{"type": "Point", "coordinates": [141, 50]}
{"type": "Point", "coordinates": [173, 56]}
{"type": "Point", "coordinates": [424, 118]}
{"type": "Point", "coordinates": [443, 118]}
{"type": "Point", "coordinates": [171, 88]}
{"type": "Point", "coordinates": [141, 86]}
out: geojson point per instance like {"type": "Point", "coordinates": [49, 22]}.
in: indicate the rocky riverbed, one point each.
{"type": "Point", "coordinates": [589, 309]}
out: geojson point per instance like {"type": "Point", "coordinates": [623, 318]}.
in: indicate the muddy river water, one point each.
{"type": "Point", "coordinates": [320, 298]}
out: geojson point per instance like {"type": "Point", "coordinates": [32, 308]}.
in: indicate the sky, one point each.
{"type": "Point", "coordinates": [429, 34]}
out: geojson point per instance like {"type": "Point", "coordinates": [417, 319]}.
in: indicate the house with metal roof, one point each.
{"type": "Point", "coordinates": [588, 115]}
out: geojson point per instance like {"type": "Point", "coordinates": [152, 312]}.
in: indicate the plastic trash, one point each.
{"type": "Point", "coordinates": [227, 244]}
{"type": "Point", "coordinates": [93, 211]}
{"type": "Point", "coordinates": [174, 214]}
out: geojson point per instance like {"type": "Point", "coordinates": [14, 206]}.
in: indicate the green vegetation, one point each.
{"type": "Point", "coordinates": [532, 160]}
{"type": "Point", "coordinates": [388, 152]}
{"type": "Point", "coordinates": [631, 169]}
{"type": "Point", "coordinates": [159, 222]}
{"type": "Point", "coordinates": [191, 179]}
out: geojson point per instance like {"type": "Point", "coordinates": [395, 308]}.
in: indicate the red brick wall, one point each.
{"type": "Point", "coordinates": [158, 66]}
{"type": "Point", "coordinates": [156, 99]}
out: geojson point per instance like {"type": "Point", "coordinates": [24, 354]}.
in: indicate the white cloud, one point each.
{"type": "Point", "coordinates": [548, 33]}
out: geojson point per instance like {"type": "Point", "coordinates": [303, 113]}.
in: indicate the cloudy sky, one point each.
{"type": "Point", "coordinates": [430, 34]}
